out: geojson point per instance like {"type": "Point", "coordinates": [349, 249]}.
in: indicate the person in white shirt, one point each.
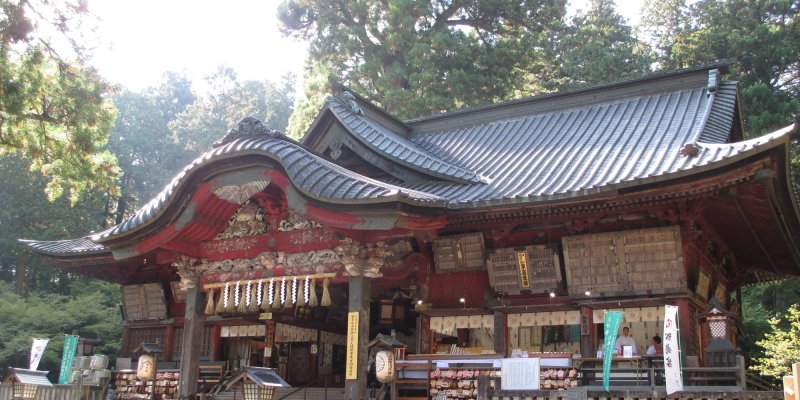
{"type": "Point", "coordinates": [625, 340]}
{"type": "Point", "coordinates": [656, 347]}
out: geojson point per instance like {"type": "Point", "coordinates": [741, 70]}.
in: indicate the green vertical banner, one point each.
{"type": "Point", "coordinates": [611, 323]}
{"type": "Point", "coordinates": [70, 346]}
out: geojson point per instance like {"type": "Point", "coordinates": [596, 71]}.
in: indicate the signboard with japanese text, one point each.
{"type": "Point", "coordinates": [351, 358]}
{"type": "Point", "coordinates": [672, 351]}
{"type": "Point", "coordinates": [70, 347]}
{"type": "Point", "coordinates": [37, 349]}
{"type": "Point", "coordinates": [612, 321]}
{"type": "Point", "coordinates": [520, 374]}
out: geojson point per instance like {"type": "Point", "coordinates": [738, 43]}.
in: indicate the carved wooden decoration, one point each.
{"type": "Point", "coordinates": [247, 221]}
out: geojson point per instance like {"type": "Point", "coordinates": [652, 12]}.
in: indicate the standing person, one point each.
{"type": "Point", "coordinates": [625, 340]}
{"type": "Point", "coordinates": [655, 347]}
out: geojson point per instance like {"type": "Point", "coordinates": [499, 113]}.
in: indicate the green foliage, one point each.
{"type": "Point", "coordinates": [27, 213]}
{"type": "Point", "coordinates": [600, 47]}
{"type": "Point", "coordinates": [142, 142]}
{"type": "Point", "coordinates": [760, 302]}
{"type": "Point", "coordinates": [781, 345]}
{"type": "Point", "coordinates": [420, 57]}
{"type": "Point", "coordinates": [51, 316]}
{"type": "Point", "coordinates": [227, 101]}
{"type": "Point", "coordinates": [762, 36]}
{"type": "Point", "coordinates": [53, 111]}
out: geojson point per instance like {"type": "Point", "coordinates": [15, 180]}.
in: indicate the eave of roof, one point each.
{"type": "Point", "coordinates": [313, 176]}
{"type": "Point", "coordinates": [71, 247]}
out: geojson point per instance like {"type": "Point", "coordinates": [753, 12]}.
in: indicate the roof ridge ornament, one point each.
{"type": "Point", "coordinates": [690, 150]}
{"type": "Point", "coordinates": [713, 80]}
{"type": "Point", "coordinates": [348, 99]}
{"type": "Point", "coordinates": [246, 127]}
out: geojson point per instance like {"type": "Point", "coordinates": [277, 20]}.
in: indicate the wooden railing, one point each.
{"type": "Point", "coordinates": [640, 381]}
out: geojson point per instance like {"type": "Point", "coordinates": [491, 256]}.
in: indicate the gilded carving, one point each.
{"type": "Point", "coordinates": [294, 222]}
{"type": "Point", "coordinates": [247, 221]}
{"type": "Point", "coordinates": [188, 270]}
{"type": "Point", "coordinates": [222, 246]}
{"type": "Point", "coordinates": [311, 236]}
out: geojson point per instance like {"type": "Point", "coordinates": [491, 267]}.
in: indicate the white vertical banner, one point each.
{"type": "Point", "coordinates": [672, 351]}
{"type": "Point", "coordinates": [37, 349]}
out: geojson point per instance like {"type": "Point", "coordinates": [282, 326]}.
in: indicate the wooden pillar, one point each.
{"type": "Point", "coordinates": [687, 329]}
{"type": "Point", "coordinates": [168, 336]}
{"type": "Point", "coordinates": [358, 301]}
{"type": "Point", "coordinates": [216, 343]}
{"type": "Point", "coordinates": [588, 333]}
{"type": "Point", "coordinates": [499, 332]}
{"type": "Point", "coordinates": [425, 336]}
{"type": "Point", "coordinates": [126, 339]}
{"type": "Point", "coordinates": [192, 341]}
{"type": "Point", "coordinates": [269, 343]}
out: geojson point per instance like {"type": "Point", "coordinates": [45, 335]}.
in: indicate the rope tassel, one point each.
{"type": "Point", "coordinates": [326, 294]}
{"type": "Point", "coordinates": [302, 298]}
{"type": "Point", "coordinates": [210, 302]}
{"type": "Point", "coordinates": [242, 306]}
{"type": "Point", "coordinates": [312, 295]}
{"type": "Point", "coordinates": [291, 294]}
{"type": "Point", "coordinates": [254, 294]}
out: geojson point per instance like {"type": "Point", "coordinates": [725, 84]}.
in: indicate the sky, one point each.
{"type": "Point", "coordinates": [140, 40]}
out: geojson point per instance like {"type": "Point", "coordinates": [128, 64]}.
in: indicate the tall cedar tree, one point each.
{"type": "Point", "coordinates": [600, 47]}
{"type": "Point", "coordinates": [762, 36]}
{"type": "Point", "coordinates": [53, 110]}
{"type": "Point", "coordinates": [420, 57]}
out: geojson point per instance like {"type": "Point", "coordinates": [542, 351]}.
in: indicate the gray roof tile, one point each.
{"type": "Point", "coordinates": [79, 246]}
{"type": "Point", "coordinates": [308, 172]}
{"type": "Point", "coordinates": [383, 140]}
{"type": "Point", "coordinates": [540, 153]}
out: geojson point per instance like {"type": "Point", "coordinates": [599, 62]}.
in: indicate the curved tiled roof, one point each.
{"type": "Point", "coordinates": [78, 247]}
{"type": "Point", "coordinates": [310, 174]}
{"type": "Point", "coordinates": [394, 146]}
{"type": "Point", "coordinates": [580, 151]}
{"type": "Point", "coordinates": [559, 148]}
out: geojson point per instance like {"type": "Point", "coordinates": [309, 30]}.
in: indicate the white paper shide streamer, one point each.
{"type": "Point", "coordinates": [283, 290]}
{"type": "Point", "coordinates": [226, 297]}
{"type": "Point", "coordinates": [247, 293]}
{"type": "Point", "coordinates": [305, 290]}
{"type": "Point", "coordinates": [271, 292]}
{"type": "Point", "coordinates": [294, 290]}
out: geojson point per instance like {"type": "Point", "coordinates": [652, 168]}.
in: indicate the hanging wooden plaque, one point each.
{"type": "Point", "coordinates": [524, 269]}
{"type": "Point", "coordinates": [459, 252]}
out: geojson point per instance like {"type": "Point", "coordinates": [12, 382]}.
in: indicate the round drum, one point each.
{"type": "Point", "coordinates": [384, 366]}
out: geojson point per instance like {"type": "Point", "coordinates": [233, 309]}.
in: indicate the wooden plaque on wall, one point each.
{"type": "Point", "coordinates": [459, 252]}
{"type": "Point", "coordinates": [524, 269]}
{"type": "Point", "coordinates": [626, 262]}
{"type": "Point", "coordinates": [144, 302]}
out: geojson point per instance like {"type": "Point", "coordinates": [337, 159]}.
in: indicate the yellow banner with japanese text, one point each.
{"type": "Point", "coordinates": [351, 362]}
